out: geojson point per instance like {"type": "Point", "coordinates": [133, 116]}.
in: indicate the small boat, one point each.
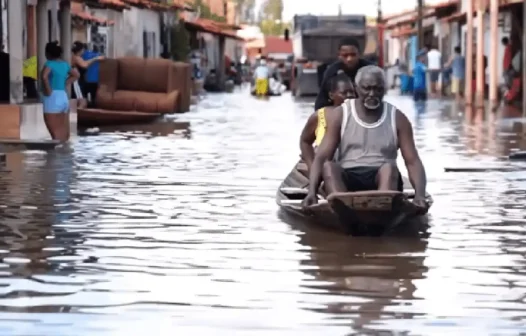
{"type": "Point", "coordinates": [276, 88]}
{"type": "Point", "coordinates": [97, 117]}
{"type": "Point", "coordinates": [361, 213]}
{"type": "Point", "coordinates": [269, 94]}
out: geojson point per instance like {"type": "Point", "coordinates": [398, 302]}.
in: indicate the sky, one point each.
{"type": "Point", "coordinates": [330, 7]}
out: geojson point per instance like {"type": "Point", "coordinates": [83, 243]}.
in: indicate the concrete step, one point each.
{"type": "Point", "coordinates": [30, 144]}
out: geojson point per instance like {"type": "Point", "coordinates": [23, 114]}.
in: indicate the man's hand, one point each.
{"type": "Point", "coordinates": [421, 204]}
{"type": "Point", "coordinates": [309, 201]}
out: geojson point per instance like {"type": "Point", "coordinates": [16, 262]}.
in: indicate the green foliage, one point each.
{"type": "Point", "coordinates": [205, 12]}
{"type": "Point", "coordinates": [180, 43]}
{"type": "Point", "coordinates": [272, 10]}
{"type": "Point", "coordinates": [245, 10]}
{"type": "Point", "coordinates": [270, 18]}
{"type": "Point", "coordinates": [273, 28]}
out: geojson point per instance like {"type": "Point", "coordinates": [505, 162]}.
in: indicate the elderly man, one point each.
{"type": "Point", "coordinates": [367, 132]}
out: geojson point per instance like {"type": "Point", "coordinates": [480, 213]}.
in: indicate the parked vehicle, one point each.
{"type": "Point", "coordinates": [315, 44]}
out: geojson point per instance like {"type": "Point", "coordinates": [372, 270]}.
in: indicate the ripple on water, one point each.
{"type": "Point", "coordinates": [176, 229]}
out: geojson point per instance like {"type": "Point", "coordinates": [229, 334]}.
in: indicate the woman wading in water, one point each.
{"type": "Point", "coordinates": [56, 76]}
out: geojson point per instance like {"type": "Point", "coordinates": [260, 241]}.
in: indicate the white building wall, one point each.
{"type": "Point", "coordinates": [125, 37]}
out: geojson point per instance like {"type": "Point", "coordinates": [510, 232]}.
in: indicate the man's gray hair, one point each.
{"type": "Point", "coordinates": [371, 70]}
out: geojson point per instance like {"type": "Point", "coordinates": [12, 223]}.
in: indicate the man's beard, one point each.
{"type": "Point", "coordinates": [372, 103]}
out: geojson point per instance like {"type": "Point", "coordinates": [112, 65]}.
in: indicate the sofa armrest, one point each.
{"type": "Point", "coordinates": [179, 79]}
{"type": "Point", "coordinates": [108, 74]}
{"type": "Point", "coordinates": [104, 97]}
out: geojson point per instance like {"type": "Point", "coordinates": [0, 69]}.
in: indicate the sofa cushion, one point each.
{"type": "Point", "coordinates": [155, 77]}
{"type": "Point", "coordinates": [156, 102]}
{"type": "Point", "coordinates": [131, 74]}
{"type": "Point", "coordinates": [105, 97]}
{"type": "Point", "coordinates": [126, 100]}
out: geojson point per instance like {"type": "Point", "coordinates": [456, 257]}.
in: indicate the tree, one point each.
{"type": "Point", "coordinates": [273, 28]}
{"type": "Point", "coordinates": [245, 10]}
{"type": "Point", "coordinates": [205, 12]}
{"type": "Point", "coordinates": [180, 43]}
{"type": "Point", "coordinates": [270, 18]}
{"type": "Point", "coordinates": [272, 10]}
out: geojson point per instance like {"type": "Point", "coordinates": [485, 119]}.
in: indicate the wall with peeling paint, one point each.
{"type": "Point", "coordinates": [125, 37]}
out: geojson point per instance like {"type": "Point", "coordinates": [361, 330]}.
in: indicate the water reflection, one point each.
{"type": "Point", "coordinates": [36, 204]}
{"type": "Point", "coordinates": [420, 108]}
{"type": "Point", "coordinates": [362, 282]}
{"type": "Point", "coordinates": [146, 230]}
{"type": "Point", "coordinates": [167, 128]}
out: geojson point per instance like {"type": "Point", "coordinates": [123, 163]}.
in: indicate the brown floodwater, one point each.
{"type": "Point", "coordinates": [173, 230]}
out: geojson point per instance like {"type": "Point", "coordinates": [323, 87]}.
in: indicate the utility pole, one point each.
{"type": "Point", "coordinates": [380, 32]}
{"type": "Point", "coordinates": [419, 28]}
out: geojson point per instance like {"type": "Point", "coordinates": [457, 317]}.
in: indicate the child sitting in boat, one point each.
{"type": "Point", "coordinates": [340, 89]}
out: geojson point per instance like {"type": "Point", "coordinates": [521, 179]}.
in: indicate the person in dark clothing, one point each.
{"type": "Point", "coordinates": [4, 80]}
{"type": "Point", "coordinates": [349, 61]}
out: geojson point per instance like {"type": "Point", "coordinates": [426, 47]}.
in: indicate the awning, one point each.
{"type": "Point", "coordinates": [149, 4]}
{"type": "Point", "coordinates": [404, 32]}
{"type": "Point", "coordinates": [114, 4]}
{"type": "Point", "coordinates": [79, 15]}
{"type": "Point", "coordinates": [427, 12]}
{"type": "Point", "coordinates": [457, 17]}
{"type": "Point", "coordinates": [212, 27]}
{"type": "Point", "coordinates": [255, 44]}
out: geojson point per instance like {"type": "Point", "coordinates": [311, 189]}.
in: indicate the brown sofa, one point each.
{"type": "Point", "coordinates": [137, 85]}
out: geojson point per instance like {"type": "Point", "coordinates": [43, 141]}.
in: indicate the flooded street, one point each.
{"type": "Point", "coordinates": [175, 230]}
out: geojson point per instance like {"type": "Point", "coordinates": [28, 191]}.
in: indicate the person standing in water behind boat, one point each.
{"type": "Point", "coordinates": [261, 75]}
{"type": "Point", "coordinates": [457, 62]}
{"type": "Point", "coordinates": [56, 75]}
{"type": "Point", "coordinates": [419, 78]}
{"type": "Point", "coordinates": [340, 88]}
{"type": "Point", "coordinates": [367, 132]}
{"type": "Point", "coordinates": [349, 61]}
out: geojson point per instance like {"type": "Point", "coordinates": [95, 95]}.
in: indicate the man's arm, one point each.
{"type": "Point", "coordinates": [327, 148]}
{"type": "Point", "coordinates": [449, 62]}
{"type": "Point", "coordinates": [415, 168]}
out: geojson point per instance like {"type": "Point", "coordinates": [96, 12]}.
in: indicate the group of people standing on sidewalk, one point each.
{"type": "Point", "coordinates": [429, 68]}
{"type": "Point", "coordinates": [62, 80]}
